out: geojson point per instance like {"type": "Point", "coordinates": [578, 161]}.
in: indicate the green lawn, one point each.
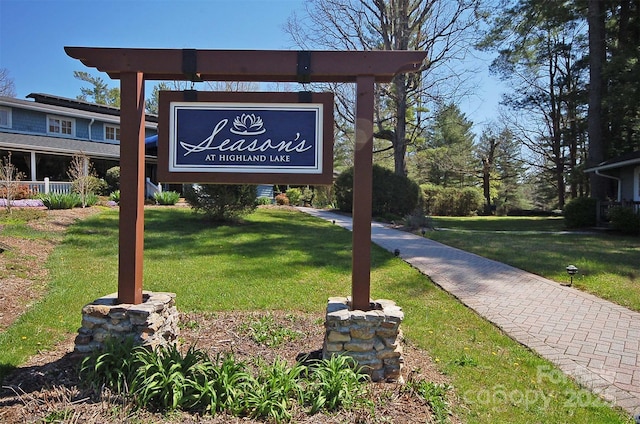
{"type": "Point", "coordinates": [285, 260]}
{"type": "Point", "coordinates": [607, 262]}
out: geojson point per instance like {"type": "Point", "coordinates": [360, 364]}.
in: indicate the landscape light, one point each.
{"type": "Point", "coordinates": [572, 270]}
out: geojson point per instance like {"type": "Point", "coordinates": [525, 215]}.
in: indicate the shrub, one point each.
{"type": "Point", "coordinates": [166, 197]}
{"type": "Point", "coordinates": [625, 220]}
{"type": "Point", "coordinates": [90, 199]}
{"type": "Point", "coordinates": [221, 202]}
{"type": "Point", "coordinates": [417, 219]}
{"type": "Point", "coordinates": [469, 201]}
{"type": "Point", "coordinates": [393, 195]}
{"type": "Point", "coordinates": [282, 199]}
{"type": "Point", "coordinates": [115, 196]}
{"type": "Point", "coordinates": [263, 200]}
{"type": "Point", "coordinates": [581, 212]}
{"type": "Point", "coordinates": [112, 178]}
{"type": "Point", "coordinates": [21, 191]}
{"type": "Point", "coordinates": [307, 196]}
{"type": "Point", "coordinates": [430, 193]}
{"type": "Point", "coordinates": [61, 200]}
{"type": "Point", "coordinates": [323, 197]}
{"type": "Point", "coordinates": [452, 201]}
{"type": "Point", "coordinates": [295, 196]}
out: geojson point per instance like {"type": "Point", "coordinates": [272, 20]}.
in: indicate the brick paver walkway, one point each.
{"type": "Point", "coordinates": [593, 340]}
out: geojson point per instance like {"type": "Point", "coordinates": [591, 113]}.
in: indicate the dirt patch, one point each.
{"type": "Point", "coordinates": [46, 388]}
{"type": "Point", "coordinates": [23, 274]}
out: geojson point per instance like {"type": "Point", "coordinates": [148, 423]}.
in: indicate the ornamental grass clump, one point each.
{"type": "Point", "coordinates": [111, 367]}
{"type": "Point", "coordinates": [166, 379]}
{"type": "Point", "coordinates": [166, 198]}
{"type": "Point", "coordinates": [275, 391]}
{"type": "Point", "coordinates": [61, 200]}
{"type": "Point", "coordinates": [335, 383]}
{"type": "Point", "coordinates": [435, 394]}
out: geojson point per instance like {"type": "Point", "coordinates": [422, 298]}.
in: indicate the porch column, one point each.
{"type": "Point", "coordinates": [362, 194]}
{"type": "Point", "coordinates": [132, 122]}
{"type": "Point", "coordinates": [33, 166]}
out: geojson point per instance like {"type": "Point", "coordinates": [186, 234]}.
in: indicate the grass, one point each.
{"type": "Point", "coordinates": [285, 260]}
{"type": "Point", "coordinates": [607, 262]}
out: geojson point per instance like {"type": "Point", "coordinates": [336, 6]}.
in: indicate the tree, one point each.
{"type": "Point", "coordinates": [99, 92]}
{"type": "Point", "coordinates": [7, 86]}
{"type": "Point", "coordinates": [82, 176]}
{"type": "Point", "coordinates": [541, 48]}
{"type": "Point", "coordinates": [442, 28]}
{"type": "Point", "coordinates": [597, 59]}
{"type": "Point", "coordinates": [621, 71]}
{"type": "Point", "coordinates": [446, 156]}
{"type": "Point", "coordinates": [9, 181]}
{"type": "Point", "coordinates": [501, 169]}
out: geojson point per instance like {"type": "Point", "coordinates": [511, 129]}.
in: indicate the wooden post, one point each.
{"type": "Point", "coordinates": [362, 195]}
{"type": "Point", "coordinates": [131, 237]}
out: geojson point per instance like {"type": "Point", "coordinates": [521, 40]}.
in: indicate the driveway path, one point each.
{"type": "Point", "coordinates": [593, 340]}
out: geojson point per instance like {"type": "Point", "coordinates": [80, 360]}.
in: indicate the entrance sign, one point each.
{"type": "Point", "coordinates": [221, 137]}
{"type": "Point", "coordinates": [134, 66]}
{"type": "Point", "coordinates": [231, 141]}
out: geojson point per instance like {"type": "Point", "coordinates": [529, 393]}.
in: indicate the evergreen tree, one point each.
{"type": "Point", "coordinates": [99, 92]}
{"type": "Point", "coordinates": [446, 158]}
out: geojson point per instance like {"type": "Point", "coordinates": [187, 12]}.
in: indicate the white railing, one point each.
{"type": "Point", "coordinates": [152, 189]}
{"type": "Point", "coordinates": [47, 186]}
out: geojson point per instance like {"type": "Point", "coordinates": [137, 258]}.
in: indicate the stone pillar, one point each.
{"type": "Point", "coordinates": [373, 338]}
{"type": "Point", "coordinates": [154, 322]}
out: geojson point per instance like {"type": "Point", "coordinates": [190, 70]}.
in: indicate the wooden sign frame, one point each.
{"type": "Point", "coordinates": [322, 174]}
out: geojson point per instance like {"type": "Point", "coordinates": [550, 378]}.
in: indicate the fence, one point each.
{"type": "Point", "coordinates": [605, 207]}
{"type": "Point", "coordinates": [46, 186]}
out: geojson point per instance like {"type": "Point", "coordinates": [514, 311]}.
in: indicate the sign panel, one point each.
{"type": "Point", "coordinates": [229, 140]}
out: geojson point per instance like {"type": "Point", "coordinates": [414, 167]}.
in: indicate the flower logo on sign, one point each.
{"type": "Point", "coordinates": [248, 124]}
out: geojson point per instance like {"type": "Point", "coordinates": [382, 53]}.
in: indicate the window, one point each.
{"type": "Point", "coordinates": [111, 133]}
{"type": "Point", "coordinates": [5, 117]}
{"type": "Point", "coordinates": [60, 125]}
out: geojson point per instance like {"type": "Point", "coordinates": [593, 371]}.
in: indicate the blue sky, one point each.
{"type": "Point", "coordinates": [33, 34]}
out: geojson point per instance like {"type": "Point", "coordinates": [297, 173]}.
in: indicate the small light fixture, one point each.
{"type": "Point", "coordinates": [396, 252]}
{"type": "Point", "coordinates": [571, 270]}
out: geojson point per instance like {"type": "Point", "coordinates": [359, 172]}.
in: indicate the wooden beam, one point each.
{"type": "Point", "coordinates": [131, 236]}
{"type": "Point", "coordinates": [249, 65]}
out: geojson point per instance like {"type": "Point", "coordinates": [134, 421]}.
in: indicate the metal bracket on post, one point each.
{"type": "Point", "coordinates": [190, 65]}
{"type": "Point", "coordinates": [304, 67]}
{"type": "Point", "coordinates": [304, 75]}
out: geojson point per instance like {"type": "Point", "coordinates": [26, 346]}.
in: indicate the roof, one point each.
{"type": "Point", "coordinates": [58, 145]}
{"type": "Point", "coordinates": [82, 105]}
{"type": "Point", "coordinates": [628, 159]}
{"type": "Point", "coordinates": [74, 108]}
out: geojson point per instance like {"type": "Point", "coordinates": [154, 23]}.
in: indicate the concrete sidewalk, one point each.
{"type": "Point", "coordinates": [592, 340]}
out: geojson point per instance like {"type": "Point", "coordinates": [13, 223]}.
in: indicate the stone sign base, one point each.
{"type": "Point", "coordinates": [152, 323]}
{"type": "Point", "coordinates": [373, 338]}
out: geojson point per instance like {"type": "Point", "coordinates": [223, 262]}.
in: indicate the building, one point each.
{"type": "Point", "coordinates": [624, 174]}
{"type": "Point", "coordinates": [44, 133]}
